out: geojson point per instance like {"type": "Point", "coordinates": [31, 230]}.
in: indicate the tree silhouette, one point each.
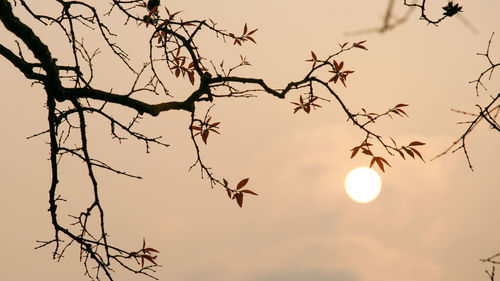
{"type": "Point", "coordinates": [170, 42]}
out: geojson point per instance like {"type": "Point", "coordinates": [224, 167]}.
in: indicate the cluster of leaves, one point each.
{"type": "Point", "coordinates": [306, 106]}
{"type": "Point", "coordinates": [409, 149]}
{"type": "Point", "coordinates": [145, 254]}
{"type": "Point", "coordinates": [205, 127]}
{"type": "Point", "coordinates": [451, 9]}
{"type": "Point", "coordinates": [238, 192]}
{"type": "Point", "coordinates": [363, 119]}
{"type": "Point", "coordinates": [396, 109]}
{"type": "Point", "coordinates": [339, 74]}
{"type": "Point", "coordinates": [246, 36]}
{"type": "Point", "coordinates": [364, 147]}
{"type": "Point", "coordinates": [179, 67]}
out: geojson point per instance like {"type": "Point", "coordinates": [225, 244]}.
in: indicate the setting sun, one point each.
{"type": "Point", "coordinates": [363, 185]}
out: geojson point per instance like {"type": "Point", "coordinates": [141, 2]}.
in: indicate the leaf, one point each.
{"type": "Point", "coordinates": [359, 45]}
{"type": "Point", "coordinates": [380, 164]}
{"type": "Point", "coordinates": [354, 151]}
{"type": "Point", "coordinates": [149, 258]}
{"type": "Point", "coordinates": [385, 161]}
{"type": "Point", "coordinates": [242, 183]}
{"type": "Point", "coordinates": [196, 128]}
{"type": "Point", "coordinates": [177, 72]}
{"type": "Point", "coordinates": [151, 250]}
{"type": "Point", "coordinates": [418, 153]}
{"type": "Point", "coordinates": [229, 193]}
{"type": "Point", "coordinates": [191, 77]}
{"type": "Point", "coordinates": [204, 136]}
{"type": "Point", "coordinates": [249, 191]}
{"type": "Point", "coordinates": [401, 105]}
{"type": "Point", "coordinates": [402, 154]}
{"type": "Point", "coordinates": [415, 143]}
{"type": "Point", "coordinates": [315, 58]}
{"type": "Point", "coordinates": [337, 66]}
{"type": "Point", "coordinates": [402, 111]}
{"type": "Point", "coordinates": [225, 182]}
{"type": "Point", "coordinates": [245, 29]}
{"type": "Point", "coordinates": [366, 151]}
{"type": "Point", "coordinates": [239, 199]}
{"type": "Point", "coordinates": [251, 39]}
{"type": "Point", "coordinates": [143, 242]}
{"type": "Point", "coordinates": [252, 32]}
{"type": "Point", "coordinates": [409, 152]}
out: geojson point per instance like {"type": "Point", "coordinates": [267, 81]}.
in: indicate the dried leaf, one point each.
{"type": "Point", "coordinates": [242, 183]}
{"type": "Point", "coordinates": [409, 152]}
{"type": "Point", "coordinates": [204, 136]}
{"type": "Point", "coordinates": [229, 193]}
{"type": "Point", "coordinates": [354, 151]}
{"type": "Point", "coordinates": [402, 154]}
{"type": "Point", "coordinates": [249, 191]}
{"type": "Point", "coordinates": [191, 77]}
{"type": "Point", "coordinates": [196, 128]}
{"type": "Point", "coordinates": [149, 258]}
{"type": "Point", "coordinates": [415, 143]}
{"type": "Point", "coordinates": [151, 250]}
{"type": "Point", "coordinates": [380, 164]}
{"type": "Point", "coordinates": [239, 199]}
{"type": "Point", "coordinates": [418, 153]}
{"type": "Point", "coordinates": [252, 32]}
{"type": "Point", "coordinates": [402, 111]}
{"type": "Point", "coordinates": [385, 161]}
{"type": "Point", "coordinates": [366, 151]}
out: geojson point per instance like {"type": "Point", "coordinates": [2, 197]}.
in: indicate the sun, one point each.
{"type": "Point", "coordinates": [363, 185]}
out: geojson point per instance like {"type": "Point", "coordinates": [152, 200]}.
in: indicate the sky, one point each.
{"type": "Point", "coordinates": [432, 221]}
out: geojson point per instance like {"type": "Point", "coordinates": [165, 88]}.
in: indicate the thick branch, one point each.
{"type": "Point", "coordinates": [33, 42]}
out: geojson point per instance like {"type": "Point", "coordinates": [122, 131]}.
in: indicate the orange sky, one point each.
{"type": "Point", "coordinates": [433, 221]}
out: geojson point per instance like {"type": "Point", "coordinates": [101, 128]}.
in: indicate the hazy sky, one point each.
{"type": "Point", "coordinates": [433, 221]}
